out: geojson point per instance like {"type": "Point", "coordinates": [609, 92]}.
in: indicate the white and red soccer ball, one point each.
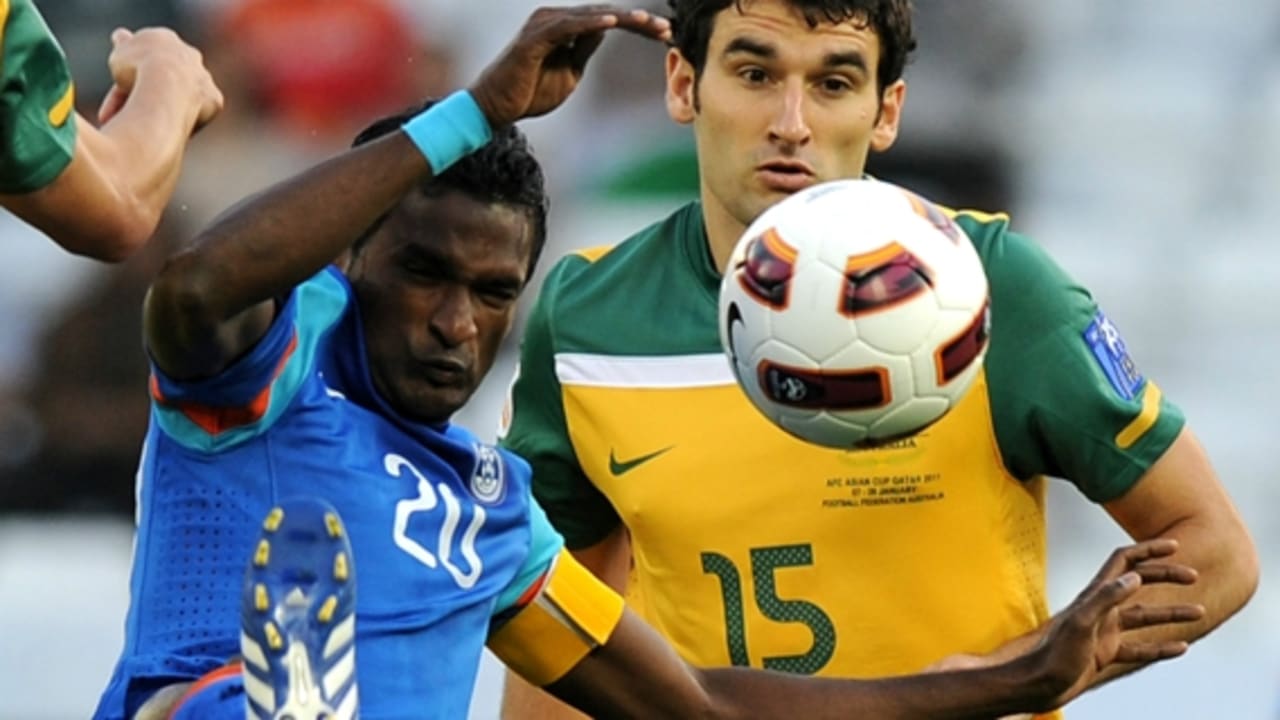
{"type": "Point", "coordinates": [853, 313]}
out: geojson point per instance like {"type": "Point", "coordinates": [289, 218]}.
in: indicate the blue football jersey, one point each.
{"type": "Point", "coordinates": [444, 532]}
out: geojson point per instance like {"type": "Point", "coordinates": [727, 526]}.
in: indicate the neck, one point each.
{"type": "Point", "coordinates": [723, 230]}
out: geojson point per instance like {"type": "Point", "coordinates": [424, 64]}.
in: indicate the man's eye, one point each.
{"type": "Point", "coordinates": [498, 298]}
{"type": "Point", "coordinates": [836, 85]}
{"type": "Point", "coordinates": [754, 76]}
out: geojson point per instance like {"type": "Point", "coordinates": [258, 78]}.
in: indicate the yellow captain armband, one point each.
{"type": "Point", "coordinates": [572, 615]}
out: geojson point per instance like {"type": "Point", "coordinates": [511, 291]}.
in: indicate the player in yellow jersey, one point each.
{"type": "Point", "coordinates": [96, 191]}
{"type": "Point", "coordinates": [745, 546]}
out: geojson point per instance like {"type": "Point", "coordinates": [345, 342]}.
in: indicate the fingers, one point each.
{"type": "Point", "coordinates": [1148, 549]}
{"type": "Point", "coordinates": [635, 20]}
{"type": "Point", "coordinates": [122, 64]}
{"type": "Point", "coordinates": [149, 41]}
{"type": "Point", "coordinates": [1129, 556]}
{"type": "Point", "coordinates": [581, 46]}
{"type": "Point", "coordinates": [1126, 558]}
{"type": "Point", "coordinates": [211, 105]}
{"type": "Point", "coordinates": [1141, 616]}
{"type": "Point", "coordinates": [1148, 652]}
{"type": "Point", "coordinates": [186, 76]}
{"type": "Point", "coordinates": [1100, 598]}
{"type": "Point", "coordinates": [1128, 568]}
{"type": "Point", "coordinates": [1152, 572]}
{"type": "Point", "coordinates": [552, 29]}
{"type": "Point", "coordinates": [111, 104]}
{"type": "Point", "coordinates": [647, 24]}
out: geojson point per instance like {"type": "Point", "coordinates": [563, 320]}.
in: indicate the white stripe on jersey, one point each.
{"type": "Point", "coordinates": [658, 372]}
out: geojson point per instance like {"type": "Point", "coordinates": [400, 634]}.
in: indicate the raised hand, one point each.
{"type": "Point", "coordinates": [157, 50]}
{"type": "Point", "coordinates": [1089, 634]}
{"type": "Point", "coordinates": [545, 62]}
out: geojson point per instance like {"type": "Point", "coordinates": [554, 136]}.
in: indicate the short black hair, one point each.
{"type": "Point", "coordinates": [692, 22]}
{"type": "Point", "coordinates": [504, 171]}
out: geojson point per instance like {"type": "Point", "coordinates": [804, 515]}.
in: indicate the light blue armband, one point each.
{"type": "Point", "coordinates": [449, 130]}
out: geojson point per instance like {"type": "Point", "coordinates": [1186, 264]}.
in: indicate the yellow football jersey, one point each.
{"type": "Point", "coordinates": [754, 562]}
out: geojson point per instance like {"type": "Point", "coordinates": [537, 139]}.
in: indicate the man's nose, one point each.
{"type": "Point", "coordinates": [789, 123]}
{"type": "Point", "coordinates": [454, 319]}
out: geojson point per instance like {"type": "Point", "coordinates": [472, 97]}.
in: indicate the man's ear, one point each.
{"type": "Point", "coordinates": [885, 132]}
{"type": "Point", "coordinates": [682, 88]}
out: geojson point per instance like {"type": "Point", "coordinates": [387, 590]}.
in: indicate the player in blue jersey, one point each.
{"type": "Point", "coordinates": [278, 376]}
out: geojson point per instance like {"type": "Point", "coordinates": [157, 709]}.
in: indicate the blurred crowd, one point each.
{"type": "Point", "coordinates": [301, 77]}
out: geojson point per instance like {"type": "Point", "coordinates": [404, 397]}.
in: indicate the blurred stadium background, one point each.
{"type": "Point", "coordinates": [1138, 141]}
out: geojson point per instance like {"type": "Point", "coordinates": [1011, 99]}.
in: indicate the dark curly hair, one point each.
{"type": "Point", "coordinates": [504, 171]}
{"type": "Point", "coordinates": [890, 19]}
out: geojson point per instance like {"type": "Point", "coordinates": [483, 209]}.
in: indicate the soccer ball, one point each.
{"type": "Point", "coordinates": [854, 313]}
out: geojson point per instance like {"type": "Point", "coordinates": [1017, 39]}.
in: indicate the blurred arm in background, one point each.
{"type": "Point", "coordinates": [96, 191]}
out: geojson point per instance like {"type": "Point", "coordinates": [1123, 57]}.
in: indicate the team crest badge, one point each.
{"type": "Point", "coordinates": [1113, 357]}
{"type": "Point", "coordinates": [488, 480]}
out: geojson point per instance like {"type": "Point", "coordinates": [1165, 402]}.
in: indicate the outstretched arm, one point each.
{"type": "Point", "coordinates": [216, 300]}
{"type": "Point", "coordinates": [634, 673]}
{"type": "Point", "coordinates": [108, 200]}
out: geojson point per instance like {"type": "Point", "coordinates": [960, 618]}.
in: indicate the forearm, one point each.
{"type": "Point", "coordinates": [986, 693]}
{"type": "Point", "coordinates": [522, 701]}
{"type": "Point", "coordinates": [637, 675]}
{"type": "Point", "coordinates": [733, 693]}
{"type": "Point", "coordinates": [108, 200]}
{"type": "Point", "coordinates": [1227, 578]}
{"type": "Point", "coordinates": [145, 141]}
{"type": "Point", "coordinates": [270, 242]}
{"type": "Point", "coordinates": [212, 301]}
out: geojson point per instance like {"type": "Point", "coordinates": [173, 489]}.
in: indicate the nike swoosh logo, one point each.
{"type": "Point", "coordinates": [621, 467]}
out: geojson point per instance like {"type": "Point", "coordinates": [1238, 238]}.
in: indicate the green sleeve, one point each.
{"type": "Point", "coordinates": [539, 433]}
{"type": "Point", "coordinates": [1056, 410]}
{"type": "Point", "coordinates": [37, 122]}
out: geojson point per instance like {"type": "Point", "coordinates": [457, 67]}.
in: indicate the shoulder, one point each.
{"type": "Point", "coordinates": [988, 231]}
{"type": "Point", "coordinates": [1014, 262]}
{"type": "Point", "coordinates": [627, 261]}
